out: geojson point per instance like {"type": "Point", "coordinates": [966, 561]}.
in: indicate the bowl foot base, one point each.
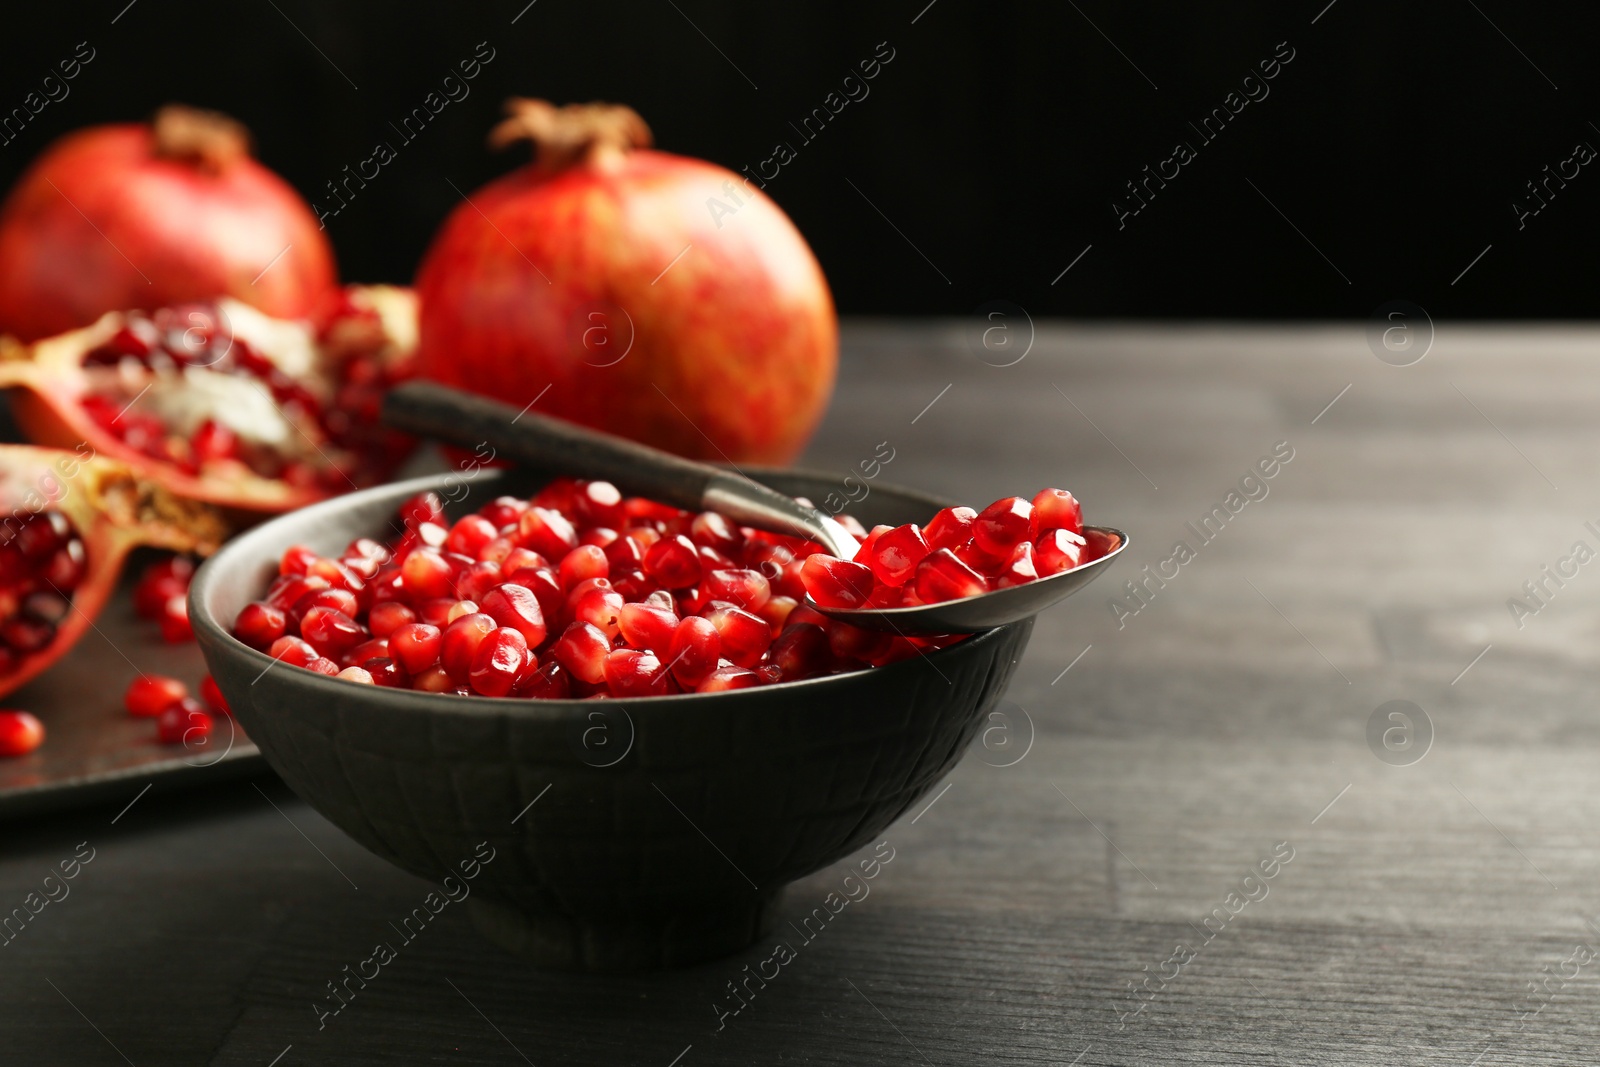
{"type": "Point", "coordinates": [627, 942]}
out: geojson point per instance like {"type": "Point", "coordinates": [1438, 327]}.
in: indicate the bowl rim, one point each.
{"type": "Point", "coordinates": [212, 632]}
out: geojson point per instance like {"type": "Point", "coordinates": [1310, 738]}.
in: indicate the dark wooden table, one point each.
{"type": "Point", "coordinates": [1101, 900]}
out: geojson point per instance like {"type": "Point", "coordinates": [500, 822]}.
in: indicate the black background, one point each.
{"type": "Point", "coordinates": [994, 143]}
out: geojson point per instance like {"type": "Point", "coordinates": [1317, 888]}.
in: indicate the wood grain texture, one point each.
{"type": "Point", "coordinates": [1172, 757]}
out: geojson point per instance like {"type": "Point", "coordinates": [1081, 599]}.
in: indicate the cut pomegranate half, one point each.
{"type": "Point", "coordinates": [67, 521]}
{"type": "Point", "coordinates": [219, 402]}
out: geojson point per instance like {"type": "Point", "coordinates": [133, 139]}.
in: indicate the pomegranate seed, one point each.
{"type": "Point", "coordinates": [644, 626]}
{"type": "Point", "coordinates": [1057, 551]}
{"type": "Point", "coordinates": [386, 672]}
{"type": "Point", "coordinates": [630, 585]}
{"type": "Point", "coordinates": [746, 588]}
{"type": "Point", "coordinates": [478, 579]}
{"type": "Point", "coordinates": [518, 558]}
{"type": "Point", "coordinates": [713, 530]}
{"type": "Point", "coordinates": [853, 643]}
{"type": "Point", "coordinates": [949, 528]}
{"type": "Point", "coordinates": [725, 678]}
{"type": "Point", "coordinates": [363, 567]}
{"type": "Point", "coordinates": [552, 600]}
{"type": "Point", "coordinates": [712, 560]}
{"type": "Point", "coordinates": [286, 595]}
{"type": "Point", "coordinates": [836, 583]}
{"type": "Point", "coordinates": [585, 561]}
{"type": "Point", "coordinates": [502, 657]}
{"type": "Point", "coordinates": [517, 607]}
{"type": "Point", "coordinates": [980, 559]}
{"type": "Point", "coordinates": [625, 554]}
{"type": "Point", "coordinates": [745, 637]}
{"type": "Point", "coordinates": [66, 568]}
{"type": "Point", "coordinates": [942, 576]}
{"type": "Point", "coordinates": [631, 673]}
{"type": "Point", "coordinates": [1002, 525]}
{"type": "Point", "coordinates": [504, 510]}
{"type": "Point", "coordinates": [776, 611]}
{"type": "Point", "coordinates": [336, 574]}
{"type": "Point", "coordinates": [1097, 544]}
{"type": "Point", "coordinates": [41, 534]}
{"type": "Point", "coordinates": [376, 648]}
{"type": "Point", "coordinates": [366, 548]}
{"type": "Point", "coordinates": [597, 504]}
{"type": "Point", "coordinates": [384, 619]}
{"type": "Point", "coordinates": [896, 553]}
{"type": "Point", "coordinates": [1056, 509]}
{"type": "Point", "coordinates": [151, 595]}
{"type": "Point", "coordinates": [185, 723]}
{"type": "Point", "coordinates": [260, 624]}
{"type": "Point", "coordinates": [150, 694]}
{"type": "Point", "coordinates": [694, 651]}
{"type": "Point", "coordinates": [436, 612]}
{"type": "Point", "coordinates": [551, 681]}
{"type": "Point", "coordinates": [1020, 569]}
{"type": "Point", "coordinates": [424, 507]}
{"type": "Point", "coordinates": [294, 651]}
{"type": "Point", "coordinates": [211, 696]}
{"type": "Point", "coordinates": [426, 574]}
{"type": "Point", "coordinates": [470, 534]}
{"type": "Point", "coordinates": [595, 602]}
{"type": "Point", "coordinates": [20, 733]}
{"type": "Point", "coordinates": [175, 628]}
{"type": "Point", "coordinates": [214, 441]}
{"type": "Point", "coordinates": [26, 635]}
{"type": "Point", "coordinates": [558, 495]}
{"type": "Point", "coordinates": [802, 651]}
{"type": "Point", "coordinates": [673, 562]}
{"type": "Point", "coordinates": [356, 674]}
{"type": "Point", "coordinates": [497, 550]}
{"type": "Point", "coordinates": [331, 631]}
{"type": "Point", "coordinates": [459, 644]}
{"type": "Point", "coordinates": [582, 649]}
{"type": "Point", "coordinates": [323, 665]}
{"type": "Point", "coordinates": [432, 680]}
{"type": "Point", "coordinates": [864, 553]}
{"type": "Point", "coordinates": [416, 646]}
{"type": "Point", "coordinates": [547, 532]}
{"type": "Point", "coordinates": [337, 599]}
{"type": "Point", "coordinates": [160, 581]}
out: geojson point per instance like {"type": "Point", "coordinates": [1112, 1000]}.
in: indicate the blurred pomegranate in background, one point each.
{"type": "Point", "coordinates": [650, 295]}
{"type": "Point", "coordinates": [137, 215]}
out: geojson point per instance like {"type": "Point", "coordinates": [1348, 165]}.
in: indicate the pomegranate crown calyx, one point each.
{"type": "Point", "coordinates": [563, 136]}
{"type": "Point", "coordinates": [209, 138]}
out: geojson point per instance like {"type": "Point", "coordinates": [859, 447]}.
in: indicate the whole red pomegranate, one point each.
{"type": "Point", "coordinates": [137, 215]}
{"type": "Point", "coordinates": [650, 295]}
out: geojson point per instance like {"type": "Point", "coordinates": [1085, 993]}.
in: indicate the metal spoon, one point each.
{"type": "Point", "coordinates": [466, 419]}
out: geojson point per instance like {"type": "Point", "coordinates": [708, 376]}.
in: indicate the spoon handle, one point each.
{"type": "Point", "coordinates": [471, 421]}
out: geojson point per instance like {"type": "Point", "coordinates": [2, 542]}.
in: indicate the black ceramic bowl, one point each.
{"type": "Point", "coordinates": [661, 830]}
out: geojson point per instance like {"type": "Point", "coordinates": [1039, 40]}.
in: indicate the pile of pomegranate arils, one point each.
{"type": "Point", "coordinates": [41, 565]}
{"type": "Point", "coordinates": [169, 382]}
{"type": "Point", "coordinates": [577, 593]}
{"type": "Point", "coordinates": [960, 553]}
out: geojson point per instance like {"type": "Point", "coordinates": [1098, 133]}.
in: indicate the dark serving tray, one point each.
{"type": "Point", "coordinates": [94, 752]}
